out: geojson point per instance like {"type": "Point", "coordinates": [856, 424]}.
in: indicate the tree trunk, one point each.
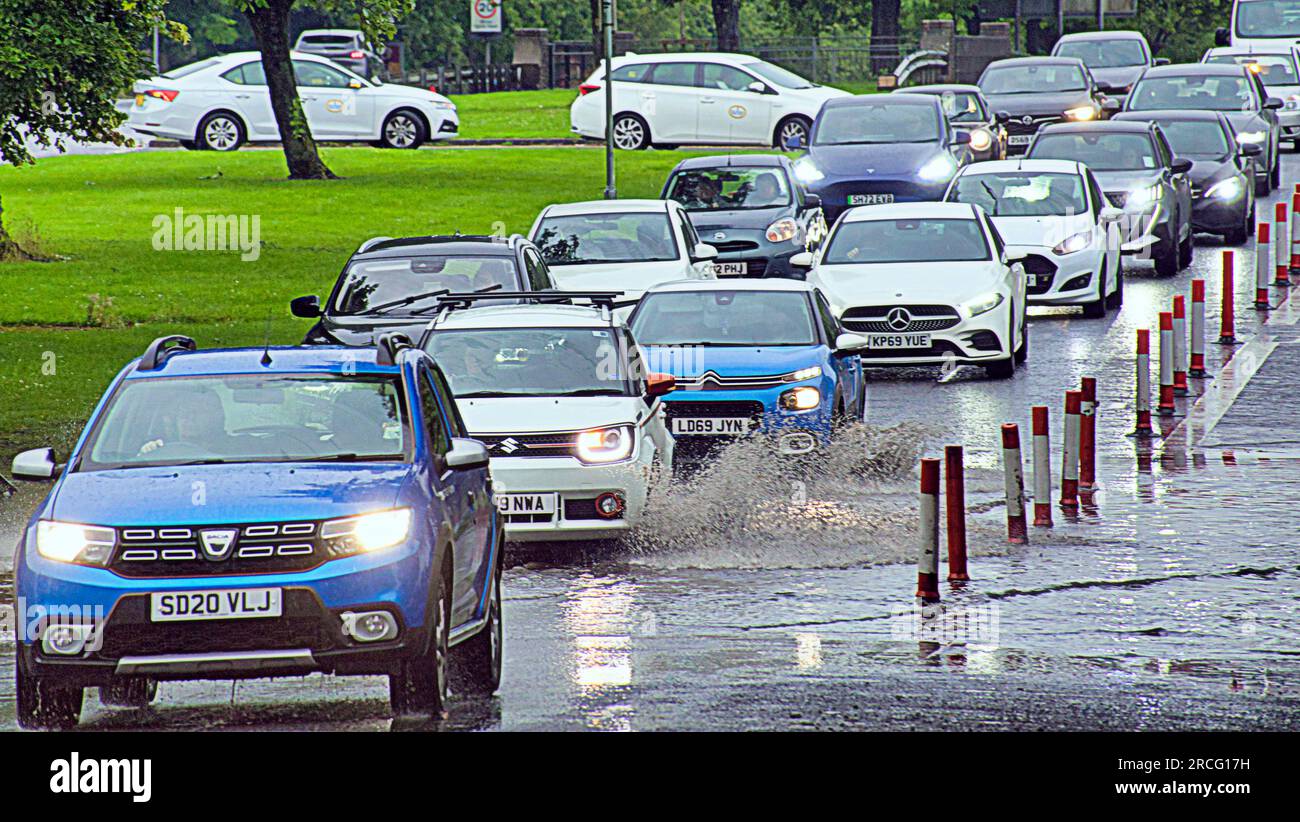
{"type": "Point", "coordinates": [884, 34]}
{"type": "Point", "coordinates": [270, 24]}
{"type": "Point", "coordinates": [10, 250]}
{"type": "Point", "coordinates": [597, 35]}
{"type": "Point", "coordinates": [726, 24]}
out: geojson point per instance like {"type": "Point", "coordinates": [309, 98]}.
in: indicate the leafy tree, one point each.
{"type": "Point", "coordinates": [1181, 29]}
{"type": "Point", "coordinates": [62, 66]}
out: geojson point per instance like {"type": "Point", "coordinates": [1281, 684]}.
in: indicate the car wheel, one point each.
{"type": "Point", "coordinates": [1116, 300]}
{"type": "Point", "coordinates": [129, 692]}
{"type": "Point", "coordinates": [1186, 250]}
{"type": "Point", "coordinates": [788, 129]}
{"type": "Point", "coordinates": [419, 685]}
{"type": "Point", "coordinates": [220, 131]}
{"type": "Point", "coordinates": [631, 132]}
{"type": "Point", "coordinates": [1167, 260]}
{"type": "Point", "coordinates": [402, 129]}
{"type": "Point", "coordinates": [1275, 177]}
{"type": "Point", "coordinates": [1005, 369]}
{"type": "Point", "coordinates": [188, 145]}
{"type": "Point", "coordinates": [45, 705]}
{"type": "Point", "coordinates": [478, 659]}
{"type": "Point", "coordinates": [1096, 309]}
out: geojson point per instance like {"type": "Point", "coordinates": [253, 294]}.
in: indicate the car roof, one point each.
{"type": "Point", "coordinates": [734, 161]}
{"type": "Point", "coordinates": [606, 207]}
{"type": "Point", "coordinates": [1104, 126]}
{"type": "Point", "coordinates": [910, 211]}
{"type": "Point", "coordinates": [688, 57]}
{"type": "Point", "coordinates": [1103, 35]}
{"type": "Point", "coordinates": [352, 32]}
{"type": "Point", "coordinates": [467, 244]}
{"type": "Point", "coordinates": [1195, 70]}
{"type": "Point", "coordinates": [737, 284]}
{"type": "Point", "coordinates": [1184, 114]}
{"type": "Point", "coordinates": [1023, 164]}
{"type": "Point", "coordinates": [1034, 61]}
{"type": "Point", "coordinates": [893, 98]}
{"type": "Point", "coordinates": [1247, 51]}
{"type": "Point", "coordinates": [526, 316]}
{"type": "Point", "coordinates": [327, 359]}
{"type": "Point", "coordinates": [939, 88]}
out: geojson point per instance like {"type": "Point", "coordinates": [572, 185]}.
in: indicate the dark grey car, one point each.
{"type": "Point", "coordinates": [1040, 91]}
{"type": "Point", "coordinates": [1139, 173]}
{"type": "Point", "coordinates": [1115, 58]}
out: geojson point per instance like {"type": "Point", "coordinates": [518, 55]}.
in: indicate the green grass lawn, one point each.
{"type": "Point", "coordinates": [516, 114]}
{"type": "Point", "coordinates": [99, 211]}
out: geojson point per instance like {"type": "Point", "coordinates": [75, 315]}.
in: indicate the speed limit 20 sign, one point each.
{"type": "Point", "coordinates": [485, 16]}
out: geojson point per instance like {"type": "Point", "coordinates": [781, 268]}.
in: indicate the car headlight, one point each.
{"type": "Point", "coordinates": [605, 445]}
{"type": "Point", "coordinates": [782, 230]}
{"type": "Point", "coordinates": [375, 531]}
{"type": "Point", "coordinates": [72, 542]}
{"type": "Point", "coordinates": [1088, 112]}
{"type": "Point", "coordinates": [1143, 196]}
{"type": "Point", "coordinates": [1292, 102]}
{"type": "Point", "coordinates": [1252, 136]}
{"type": "Point", "coordinates": [1073, 243]}
{"type": "Point", "coordinates": [804, 398]}
{"type": "Point", "coordinates": [447, 106]}
{"type": "Point", "coordinates": [802, 374]}
{"type": "Point", "coordinates": [982, 304]}
{"type": "Point", "coordinates": [940, 167]}
{"type": "Point", "coordinates": [807, 171]}
{"type": "Point", "coordinates": [980, 139]}
{"type": "Point", "coordinates": [1228, 189]}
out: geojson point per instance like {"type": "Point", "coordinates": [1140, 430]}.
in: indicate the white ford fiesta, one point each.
{"type": "Point", "coordinates": [223, 102]}
{"type": "Point", "coordinates": [1053, 213]}
{"type": "Point", "coordinates": [926, 284]}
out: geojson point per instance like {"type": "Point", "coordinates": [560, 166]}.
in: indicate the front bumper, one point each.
{"type": "Point", "coordinates": [792, 431]}
{"type": "Point", "coordinates": [576, 487]}
{"type": "Point", "coordinates": [1061, 279]}
{"type": "Point", "coordinates": [1215, 216]}
{"type": "Point", "coordinates": [835, 194]}
{"type": "Point", "coordinates": [760, 257]}
{"type": "Point", "coordinates": [979, 340]}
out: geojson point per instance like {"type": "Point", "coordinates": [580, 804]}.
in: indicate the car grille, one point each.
{"type": "Point", "coordinates": [875, 318]}
{"type": "Point", "coordinates": [709, 381]}
{"type": "Point", "coordinates": [177, 550]}
{"type": "Point", "coordinates": [1017, 125]}
{"type": "Point", "coordinates": [528, 445]}
{"type": "Point", "coordinates": [1038, 265]}
{"type": "Point", "coordinates": [734, 246]}
{"type": "Point", "coordinates": [710, 408]}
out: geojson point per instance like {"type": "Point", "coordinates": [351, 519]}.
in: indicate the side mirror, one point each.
{"type": "Point", "coordinates": [376, 80]}
{"type": "Point", "coordinates": [305, 307]}
{"type": "Point", "coordinates": [804, 259]}
{"type": "Point", "coordinates": [1164, 61]}
{"type": "Point", "coordinates": [465, 455]}
{"type": "Point", "coordinates": [702, 252]}
{"type": "Point", "coordinates": [1110, 214]}
{"type": "Point", "coordinates": [961, 138]}
{"type": "Point", "coordinates": [1110, 104]}
{"type": "Point", "coordinates": [757, 87]}
{"type": "Point", "coordinates": [1221, 37]}
{"type": "Point", "coordinates": [35, 465]}
{"type": "Point", "coordinates": [656, 384]}
{"type": "Point", "coordinates": [355, 84]}
{"type": "Point", "coordinates": [1003, 116]}
{"type": "Point", "coordinates": [848, 341]}
{"type": "Point", "coordinates": [1250, 149]}
{"type": "Point", "coordinates": [812, 201]}
{"type": "Point", "coordinates": [794, 141]}
{"type": "Point", "coordinates": [1273, 103]}
{"type": "Point", "coordinates": [1181, 165]}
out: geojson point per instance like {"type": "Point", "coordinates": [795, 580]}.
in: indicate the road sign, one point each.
{"type": "Point", "coordinates": [485, 16]}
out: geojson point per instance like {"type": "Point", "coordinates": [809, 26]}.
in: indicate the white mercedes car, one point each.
{"type": "Point", "coordinates": [713, 99]}
{"type": "Point", "coordinates": [572, 421]}
{"type": "Point", "coordinates": [222, 102]}
{"type": "Point", "coordinates": [1054, 215]}
{"type": "Point", "coordinates": [926, 284]}
{"type": "Point", "coordinates": [621, 245]}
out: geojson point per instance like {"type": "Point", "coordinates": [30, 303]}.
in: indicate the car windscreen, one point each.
{"type": "Point", "coordinates": [729, 188]}
{"type": "Point", "coordinates": [962, 107]}
{"type": "Point", "coordinates": [777, 75]}
{"type": "Point", "coordinates": [1042, 79]}
{"type": "Point", "coordinates": [906, 241]}
{"type": "Point", "coordinates": [736, 318]}
{"type": "Point", "coordinates": [1268, 18]}
{"type": "Point", "coordinates": [372, 283]}
{"type": "Point", "coordinates": [249, 418]}
{"type": "Point", "coordinates": [530, 362]}
{"type": "Point", "coordinates": [872, 123]}
{"type": "Point", "coordinates": [1019, 194]}
{"type": "Point", "coordinates": [1104, 53]}
{"type": "Point", "coordinates": [1207, 92]}
{"type": "Point", "coordinates": [1273, 69]}
{"type": "Point", "coordinates": [181, 71]}
{"type": "Point", "coordinates": [1117, 151]}
{"type": "Point", "coordinates": [620, 237]}
{"type": "Point", "coordinates": [1196, 138]}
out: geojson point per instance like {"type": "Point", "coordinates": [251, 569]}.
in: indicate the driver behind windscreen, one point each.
{"type": "Point", "coordinates": [199, 421]}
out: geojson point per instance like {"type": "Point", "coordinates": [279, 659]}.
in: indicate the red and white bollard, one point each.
{"type": "Point", "coordinates": [1281, 250]}
{"type": "Point", "coordinates": [1013, 473]}
{"type": "Point", "coordinates": [1262, 263]}
{"type": "Point", "coordinates": [1180, 347]}
{"type": "Point", "coordinates": [1070, 451]}
{"type": "Point", "coordinates": [1197, 343]}
{"type": "Point", "coordinates": [1165, 406]}
{"type": "Point", "coordinates": [1087, 434]}
{"type": "Point", "coordinates": [1295, 231]}
{"type": "Point", "coordinates": [1227, 329]}
{"type": "Point", "coordinates": [1042, 469]}
{"type": "Point", "coordinates": [927, 561]}
{"type": "Point", "coordinates": [955, 507]}
{"type": "Point", "coordinates": [1144, 427]}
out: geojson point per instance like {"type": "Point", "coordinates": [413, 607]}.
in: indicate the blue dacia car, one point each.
{"type": "Point", "coordinates": [750, 356]}
{"type": "Point", "coordinates": [261, 512]}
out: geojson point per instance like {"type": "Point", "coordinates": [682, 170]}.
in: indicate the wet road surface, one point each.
{"type": "Point", "coordinates": [760, 599]}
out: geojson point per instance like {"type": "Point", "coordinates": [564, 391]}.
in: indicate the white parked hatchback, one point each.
{"type": "Point", "coordinates": [223, 102]}
{"type": "Point", "coordinates": [926, 284]}
{"type": "Point", "coordinates": [713, 99]}
{"type": "Point", "coordinates": [620, 245]}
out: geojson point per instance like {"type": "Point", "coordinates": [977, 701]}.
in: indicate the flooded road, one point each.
{"type": "Point", "coordinates": [764, 599]}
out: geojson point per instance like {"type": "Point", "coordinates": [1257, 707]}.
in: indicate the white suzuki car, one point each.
{"type": "Point", "coordinates": [713, 99]}
{"type": "Point", "coordinates": [926, 284]}
{"type": "Point", "coordinates": [572, 421]}
{"type": "Point", "coordinates": [621, 245]}
{"type": "Point", "coordinates": [222, 102]}
{"type": "Point", "coordinates": [1053, 214]}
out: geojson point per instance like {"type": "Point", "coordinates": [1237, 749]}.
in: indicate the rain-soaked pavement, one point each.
{"type": "Point", "coordinates": [762, 599]}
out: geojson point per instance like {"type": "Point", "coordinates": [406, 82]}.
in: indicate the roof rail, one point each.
{"type": "Point", "coordinates": [390, 344]}
{"type": "Point", "coordinates": [603, 299]}
{"type": "Point", "coordinates": [371, 243]}
{"type": "Point", "coordinates": [160, 349]}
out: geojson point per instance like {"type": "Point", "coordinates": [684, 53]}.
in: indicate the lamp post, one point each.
{"type": "Point", "coordinates": [607, 27]}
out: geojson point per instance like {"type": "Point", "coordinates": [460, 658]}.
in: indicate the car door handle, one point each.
{"type": "Point", "coordinates": [706, 100]}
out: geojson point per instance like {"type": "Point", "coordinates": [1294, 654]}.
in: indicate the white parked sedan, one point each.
{"type": "Point", "coordinates": [926, 284]}
{"type": "Point", "coordinates": [620, 245]}
{"type": "Point", "coordinates": [223, 102]}
{"type": "Point", "coordinates": [715, 99]}
{"type": "Point", "coordinates": [1054, 215]}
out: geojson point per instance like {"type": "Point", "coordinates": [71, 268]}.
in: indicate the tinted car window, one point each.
{"type": "Point", "coordinates": [963, 107]}
{"type": "Point", "coordinates": [371, 283]}
{"type": "Point", "coordinates": [606, 238]}
{"type": "Point", "coordinates": [522, 362]}
{"type": "Point", "coordinates": [316, 75]}
{"type": "Point", "coordinates": [631, 74]}
{"type": "Point", "coordinates": [1211, 92]}
{"type": "Point", "coordinates": [1274, 69]}
{"type": "Point", "coordinates": [538, 277]}
{"type": "Point", "coordinates": [1098, 151]}
{"type": "Point", "coordinates": [430, 411]}
{"type": "Point", "coordinates": [737, 318]}
{"type": "Point", "coordinates": [729, 188]}
{"type": "Point", "coordinates": [673, 74]}
{"type": "Point", "coordinates": [1033, 78]}
{"type": "Point", "coordinates": [1014, 194]}
{"type": "Point", "coordinates": [777, 75]}
{"type": "Point", "coordinates": [1196, 138]}
{"type": "Point", "coordinates": [725, 78]}
{"type": "Point", "coordinates": [906, 241]}
{"type": "Point", "coordinates": [1104, 53]}
{"type": "Point", "coordinates": [1268, 18]}
{"type": "Point", "coordinates": [252, 73]}
{"type": "Point", "coordinates": [873, 123]}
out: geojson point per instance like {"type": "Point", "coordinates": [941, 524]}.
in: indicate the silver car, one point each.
{"type": "Point", "coordinates": [347, 47]}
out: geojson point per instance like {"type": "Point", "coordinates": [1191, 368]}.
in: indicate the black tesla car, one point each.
{"type": "Point", "coordinates": [1040, 91]}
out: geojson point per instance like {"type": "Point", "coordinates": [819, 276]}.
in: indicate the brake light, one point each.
{"type": "Point", "coordinates": [587, 88]}
{"type": "Point", "coordinates": [357, 55]}
{"type": "Point", "coordinates": [162, 94]}
{"type": "Point", "coordinates": [433, 88]}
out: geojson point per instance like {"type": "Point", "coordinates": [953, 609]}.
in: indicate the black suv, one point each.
{"type": "Point", "coordinates": [393, 284]}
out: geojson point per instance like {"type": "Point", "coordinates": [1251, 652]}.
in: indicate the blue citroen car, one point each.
{"type": "Point", "coordinates": [873, 149]}
{"type": "Point", "coordinates": [750, 357]}
{"type": "Point", "coordinates": [261, 512]}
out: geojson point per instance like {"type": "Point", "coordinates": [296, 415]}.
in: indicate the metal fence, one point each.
{"type": "Point", "coordinates": [467, 79]}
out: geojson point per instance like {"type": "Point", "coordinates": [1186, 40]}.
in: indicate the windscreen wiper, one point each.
{"type": "Point", "coordinates": [592, 392]}
{"type": "Point", "coordinates": [484, 290]}
{"type": "Point", "coordinates": [407, 301]}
